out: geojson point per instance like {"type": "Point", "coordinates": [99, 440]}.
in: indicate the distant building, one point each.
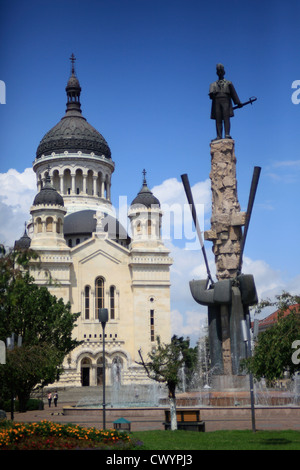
{"type": "Point", "coordinates": [272, 319]}
{"type": "Point", "coordinates": [87, 257]}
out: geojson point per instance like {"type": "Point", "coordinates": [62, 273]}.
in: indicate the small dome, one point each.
{"type": "Point", "coordinates": [73, 83]}
{"type": "Point", "coordinates": [24, 242]}
{"type": "Point", "coordinates": [145, 197]}
{"type": "Point", "coordinates": [48, 196]}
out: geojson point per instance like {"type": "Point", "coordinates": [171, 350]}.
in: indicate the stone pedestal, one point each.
{"type": "Point", "coordinates": [226, 236]}
{"type": "Point", "coordinates": [227, 218]}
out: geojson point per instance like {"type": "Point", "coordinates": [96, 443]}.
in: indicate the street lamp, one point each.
{"type": "Point", "coordinates": [245, 323]}
{"type": "Point", "coordinates": [103, 318]}
{"type": "Point", "coordinates": [11, 344]}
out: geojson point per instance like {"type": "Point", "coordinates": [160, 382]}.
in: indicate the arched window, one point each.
{"type": "Point", "coordinates": [149, 227]}
{"type": "Point", "coordinates": [112, 302]}
{"type": "Point", "coordinates": [55, 180]}
{"type": "Point", "coordinates": [67, 181]}
{"type": "Point", "coordinates": [49, 224]}
{"type": "Point", "coordinates": [85, 371]}
{"type": "Point", "coordinates": [70, 242]}
{"type": "Point", "coordinates": [58, 226]}
{"type": "Point", "coordinates": [39, 225]}
{"type": "Point", "coordinates": [138, 228]}
{"type": "Point", "coordinates": [100, 371]}
{"type": "Point", "coordinates": [87, 290]}
{"type": "Point", "coordinates": [99, 294]}
{"type": "Point", "coordinates": [78, 181]}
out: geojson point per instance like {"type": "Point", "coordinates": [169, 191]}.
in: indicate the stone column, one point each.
{"type": "Point", "coordinates": [73, 189]}
{"type": "Point", "coordinates": [225, 233]}
{"type": "Point", "coordinates": [102, 187]}
{"type": "Point", "coordinates": [61, 183]}
{"type": "Point", "coordinates": [84, 185]}
{"type": "Point", "coordinates": [94, 185]}
{"type": "Point", "coordinates": [227, 218]}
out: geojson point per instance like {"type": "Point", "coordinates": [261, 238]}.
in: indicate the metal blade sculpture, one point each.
{"type": "Point", "coordinates": [236, 294]}
{"type": "Point", "coordinates": [190, 199]}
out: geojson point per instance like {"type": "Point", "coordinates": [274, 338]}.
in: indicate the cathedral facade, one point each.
{"type": "Point", "coordinates": [87, 258]}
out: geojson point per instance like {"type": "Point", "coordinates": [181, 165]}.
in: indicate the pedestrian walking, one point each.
{"type": "Point", "coordinates": [55, 398]}
{"type": "Point", "coordinates": [49, 398]}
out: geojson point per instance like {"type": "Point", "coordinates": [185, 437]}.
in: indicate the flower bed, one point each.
{"type": "Point", "coordinates": [45, 435]}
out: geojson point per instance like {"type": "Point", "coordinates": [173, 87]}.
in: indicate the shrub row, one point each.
{"type": "Point", "coordinates": [47, 435]}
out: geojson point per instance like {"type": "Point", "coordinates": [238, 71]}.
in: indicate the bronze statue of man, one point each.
{"type": "Point", "coordinates": [222, 92]}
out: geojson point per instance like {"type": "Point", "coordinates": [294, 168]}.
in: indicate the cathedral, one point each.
{"type": "Point", "coordinates": [87, 258]}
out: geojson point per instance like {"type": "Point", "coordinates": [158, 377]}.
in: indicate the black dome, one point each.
{"type": "Point", "coordinates": [49, 196]}
{"type": "Point", "coordinates": [73, 133]}
{"type": "Point", "coordinates": [84, 223]}
{"type": "Point", "coordinates": [23, 243]}
{"type": "Point", "coordinates": [145, 197]}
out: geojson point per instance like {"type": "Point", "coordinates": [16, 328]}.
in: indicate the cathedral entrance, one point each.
{"type": "Point", "coordinates": [85, 372]}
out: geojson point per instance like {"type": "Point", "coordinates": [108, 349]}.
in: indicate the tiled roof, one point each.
{"type": "Point", "coordinates": [270, 320]}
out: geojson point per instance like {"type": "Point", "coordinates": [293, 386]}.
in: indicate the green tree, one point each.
{"type": "Point", "coordinates": [190, 357]}
{"type": "Point", "coordinates": [44, 322]}
{"type": "Point", "coordinates": [273, 352]}
{"type": "Point", "coordinates": [163, 365]}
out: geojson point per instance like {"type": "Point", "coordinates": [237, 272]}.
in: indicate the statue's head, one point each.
{"type": "Point", "coordinates": [220, 70]}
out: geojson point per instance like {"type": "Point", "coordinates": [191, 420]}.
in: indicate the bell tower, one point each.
{"type": "Point", "coordinates": [145, 217]}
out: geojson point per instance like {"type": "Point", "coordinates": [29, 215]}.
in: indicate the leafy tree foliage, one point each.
{"type": "Point", "coordinates": [163, 365]}
{"type": "Point", "coordinates": [190, 357]}
{"type": "Point", "coordinates": [273, 352]}
{"type": "Point", "coordinates": [44, 322]}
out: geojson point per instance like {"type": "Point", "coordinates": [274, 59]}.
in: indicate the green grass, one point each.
{"type": "Point", "coordinates": [218, 440]}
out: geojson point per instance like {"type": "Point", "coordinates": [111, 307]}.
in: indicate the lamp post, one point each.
{"type": "Point", "coordinates": [103, 318]}
{"type": "Point", "coordinates": [246, 336]}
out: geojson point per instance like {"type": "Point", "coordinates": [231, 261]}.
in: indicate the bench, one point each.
{"type": "Point", "coordinates": [187, 419]}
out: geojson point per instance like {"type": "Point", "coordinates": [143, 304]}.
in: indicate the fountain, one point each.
{"type": "Point", "coordinates": [124, 396]}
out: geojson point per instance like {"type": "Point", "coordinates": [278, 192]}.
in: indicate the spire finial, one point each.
{"type": "Point", "coordinates": [72, 59]}
{"type": "Point", "coordinates": [144, 174]}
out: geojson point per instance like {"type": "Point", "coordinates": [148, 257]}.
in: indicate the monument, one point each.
{"type": "Point", "coordinates": [228, 299]}
{"type": "Point", "coordinates": [222, 93]}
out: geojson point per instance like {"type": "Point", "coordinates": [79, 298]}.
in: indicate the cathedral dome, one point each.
{"type": "Point", "coordinates": [145, 197]}
{"type": "Point", "coordinates": [48, 196]}
{"type": "Point", "coordinates": [73, 133]}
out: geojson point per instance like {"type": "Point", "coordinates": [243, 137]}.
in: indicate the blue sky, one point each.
{"type": "Point", "coordinates": [145, 67]}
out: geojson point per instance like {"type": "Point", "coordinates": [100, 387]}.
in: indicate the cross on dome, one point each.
{"type": "Point", "coordinates": [72, 59]}
{"type": "Point", "coordinates": [144, 174]}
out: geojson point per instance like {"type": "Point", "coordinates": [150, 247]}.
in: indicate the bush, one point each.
{"type": "Point", "coordinates": [48, 435]}
{"type": "Point", "coordinates": [32, 404]}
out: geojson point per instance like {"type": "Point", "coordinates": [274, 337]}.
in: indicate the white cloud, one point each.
{"type": "Point", "coordinates": [192, 324]}
{"type": "Point", "coordinates": [285, 171]}
{"type": "Point", "coordinates": [17, 191]}
{"type": "Point", "coordinates": [177, 219]}
{"type": "Point", "coordinates": [268, 281]}
{"type": "Point", "coordinates": [287, 163]}
{"type": "Point", "coordinates": [171, 191]}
